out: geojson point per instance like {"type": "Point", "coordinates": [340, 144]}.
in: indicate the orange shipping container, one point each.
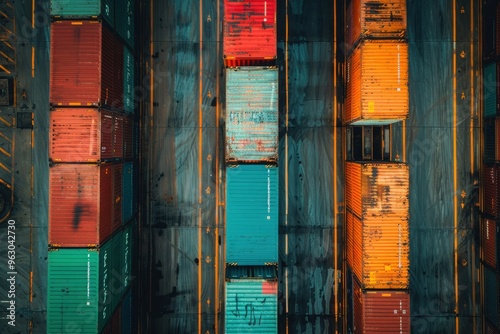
{"type": "Point", "coordinates": [377, 189]}
{"type": "Point", "coordinates": [378, 251]}
{"type": "Point", "coordinates": [377, 83]}
{"type": "Point", "coordinates": [375, 19]}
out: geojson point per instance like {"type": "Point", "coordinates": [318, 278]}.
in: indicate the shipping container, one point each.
{"type": "Point", "coordinates": [378, 189]}
{"type": "Point", "coordinates": [81, 135]}
{"type": "Point", "coordinates": [251, 304]}
{"type": "Point", "coordinates": [125, 16]}
{"type": "Point", "coordinates": [80, 204]}
{"type": "Point", "coordinates": [252, 114]}
{"type": "Point", "coordinates": [119, 74]}
{"type": "Point", "coordinates": [377, 83]}
{"type": "Point", "coordinates": [492, 139]}
{"type": "Point", "coordinates": [491, 296]}
{"type": "Point", "coordinates": [82, 65]}
{"type": "Point", "coordinates": [78, 291]}
{"type": "Point", "coordinates": [251, 214]}
{"type": "Point", "coordinates": [490, 329]}
{"type": "Point", "coordinates": [117, 195]}
{"type": "Point", "coordinates": [489, 241]}
{"type": "Point", "coordinates": [375, 19]}
{"type": "Point", "coordinates": [249, 31]}
{"type": "Point", "coordinates": [128, 191]}
{"type": "Point", "coordinates": [380, 311]}
{"type": "Point", "coordinates": [118, 136]}
{"type": "Point", "coordinates": [378, 251]}
{"type": "Point", "coordinates": [127, 314]}
{"type": "Point", "coordinates": [88, 9]}
{"type": "Point", "coordinates": [489, 30]}
{"type": "Point", "coordinates": [490, 89]}
{"type": "Point", "coordinates": [128, 247]}
{"type": "Point", "coordinates": [491, 189]}
{"type": "Point", "coordinates": [128, 81]}
{"type": "Point", "coordinates": [128, 137]}
{"type": "Point", "coordinates": [114, 324]}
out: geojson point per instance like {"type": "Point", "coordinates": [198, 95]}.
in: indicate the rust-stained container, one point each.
{"type": "Point", "coordinates": [82, 65]}
{"type": "Point", "coordinates": [492, 139]}
{"type": "Point", "coordinates": [80, 204]}
{"type": "Point", "coordinates": [380, 311]}
{"type": "Point", "coordinates": [378, 251]}
{"type": "Point", "coordinates": [489, 241]}
{"type": "Point", "coordinates": [491, 189]}
{"type": "Point", "coordinates": [375, 19]}
{"type": "Point", "coordinates": [81, 135]}
{"type": "Point", "coordinates": [378, 189]}
{"type": "Point", "coordinates": [377, 83]}
{"type": "Point", "coordinates": [128, 137]}
{"type": "Point", "coordinates": [117, 195]}
{"type": "Point", "coordinates": [249, 31]}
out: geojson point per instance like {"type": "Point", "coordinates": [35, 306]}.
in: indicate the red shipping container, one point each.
{"type": "Point", "coordinates": [380, 311]}
{"type": "Point", "coordinates": [249, 31]}
{"type": "Point", "coordinates": [118, 136]}
{"type": "Point", "coordinates": [128, 137]}
{"type": "Point", "coordinates": [81, 135]}
{"type": "Point", "coordinates": [491, 178]}
{"type": "Point", "coordinates": [82, 65]}
{"type": "Point", "coordinates": [489, 239]}
{"type": "Point", "coordinates": [118, 80]}
{"type": "Point", "coordinates": [117, 195]}
{"type": "Point", "coordinates": [80, 204]}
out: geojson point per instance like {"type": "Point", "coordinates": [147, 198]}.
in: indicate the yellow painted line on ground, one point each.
{"type": "Point", "coordinates": [3, 54]}
{"type": "Point", "coordinates": [32, 62]}
{"type": "Point", "coordinates": [4, 69]}
{"type": "Point", "coordinates": [33, 14]}
{"type": "Point", "coordinates": [5, 137]}
{"type": "Point", "coordinates": [200, 166]}
{"type": "Point", "coordinates": [4, 152]}
{"type": "Point", "coordinates": [4, 167]}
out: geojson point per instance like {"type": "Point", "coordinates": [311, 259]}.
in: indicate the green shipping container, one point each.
{"type": "Point", "coordinates": [128, 81]}
{"type": "Point", "coordinates": [125, 16]}
{"type": "Point", "coordinates": [128, 243]}
{"type": "Point", "coordinates": [76, 9]}
{"type": "Point", "coordinates": [490, 89]}
{"type": "Point", "coordinates": [78, 292]}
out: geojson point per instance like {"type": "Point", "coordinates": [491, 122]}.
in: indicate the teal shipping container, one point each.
{"type": "Point", "coordinates": [125, 16]}
{"type": "Point", "coordinates": [251, 305]}
{"type": "Point", "coordinates": [251, 214]}
{"type": "Point", "coordinates": [490, 89]}
{"type": "Point", "coordinates": [252, 114]}
{"type": "Point", "coordinates": [127, 313]}
{"type": "Point", "coordinates": [128, 80]}
{"type": "Point", "coordinates": [492, 296]}
{"type": "Point", "coordinates": [127, 191]}
{"type": "Point", "coordinates": [72, 9]}
{"type": "Point", "coordinates": [128, 244]}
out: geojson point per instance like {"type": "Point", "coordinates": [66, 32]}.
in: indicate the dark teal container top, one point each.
{"type": "Point", "coordinates": [127, 191]}
{"type": "Point", "coordinates": [128, 80]}
{"type": "Point", "coordinates": [125, 16]}
{"type": "Point", "coordinates": [85, 9]}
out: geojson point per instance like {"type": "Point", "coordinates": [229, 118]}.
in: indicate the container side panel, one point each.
{"type": "Point", "coordinates": [128, 137]}
{"type": "Point", "coordinates": [353, 188]}
{"type": "Point", "coordinates": [354, 76]}
{"type": "Point", "coordinates": [491, 296]}
{"type": "Point", "coordinates": [125, 17]}
{"type": "Point", "coordinates": [491, 189]}
{"type": "Point", "coordinates": [118, 136]}
{"type": "Point", "coordinates": [128, 80]}
{"type": "Point", "coordinates": [118, 74]}
{"type": "Point", "coordinates": [386, 312]}
{"type": "Point", "coordinates": [127, 191]}
{"type": "Point", "coordinates": [127, 315]}
{"type": "Point", "coordinates": [489, 240]}
{"type": "Point", "coordinates": [109, 74]}
{"type": "Point", "coordinates": [84, 9]}
{"type": "Point", "coordinates": [491, 147]}
{"type": "Point", "coordinates": [117, 195]}
{"type": "Point", "coordinates": [490, 83]}
{"type": "Point", "coordinates": [106, 298]}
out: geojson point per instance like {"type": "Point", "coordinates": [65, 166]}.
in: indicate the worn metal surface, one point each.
{"type": "Point", "coordinates": [492, 296]}
{"type": "Point", "coordinates": [125, 17]}
{"type": "Point", "coordinates": [128, 138]}
{"type": "Point", "coordinates": [87, 9]}
{"type": "Point", "coordinates": [490, 89]}
{"type": "Point", "coordinates": [252, 114]}
{"type": "Point", "coordinates": [489, 241]}
{"type": "Point", "coordinates": [491, 189]}
{"type": "Point", "coordinates": [128, 190]}
{"type": "Point", "coordinates": [251, 215]}
{"type": "Point", "coordinates": [491, 139]}
{"type": "Point", "coordinates": [117, 194]}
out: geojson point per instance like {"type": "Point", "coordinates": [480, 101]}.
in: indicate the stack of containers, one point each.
{"type": "Point", "coordinates": [377, 192]}
{"type": "Point", "coordinates": [490, 213]}
{"type": "Point", "coordinates": [251, 142]}
{"type": "Point", "coordinates": [91, 225]}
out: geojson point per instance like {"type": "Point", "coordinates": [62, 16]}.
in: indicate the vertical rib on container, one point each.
{"type": "Point", "coordinates": [489, 241]}
{"type": "Point", "coordinates": [491, 189]}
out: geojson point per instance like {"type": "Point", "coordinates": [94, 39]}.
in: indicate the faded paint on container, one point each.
{"type": "Point", "coordinates": [78, 290]}
{"type": "Point", "coordinates": [128, 191]}
{"type": "Point", "coordinates": [128, 137]}
{"type": "Point", "coordinates": [128, 80]}
{"type": "Point", "coordinates": [378, 251]}
{"type": "Point", "coordinates": [251, 215]}
{"type": "Point", "coordinates": [491, 296]}
{"type": "Point", "coordinates": [382, 311]}
{"type": "Point", "coordinates": [117, 195]}
{"type": "Point", "coordinates": [127, 315]}
{"type": "Point", "coordinates": [80, 135]}
{"type": "Point", "coordinates": [249, 30]}
{"type": "Point", "coordinates": [378, 189]}
{"type": "Point", "coordinates": [489, 241]}
{"type": "Point", "coordinates": [82, 65]}
{"type": "Point", "coordinates": [376, 19]}
{"type": "Point", "coordinates": [252, 114]}
{"type": "Point", "coordinates": [377, 83]}
{"type": "Point", "coordinates": [251, 306]}
{"type": "Point", "coordinates": [490, 89]}
{"type": "Point", "coordinates": [71, 9]}
{"type": "Point", "coordinates": [80, 204]}
{"type": "Point", "coordinates": [491, 189]}
{"type": "Point", "coordinates": [492, 139]}
{"type": "Point", "coordinates": [125, 16]}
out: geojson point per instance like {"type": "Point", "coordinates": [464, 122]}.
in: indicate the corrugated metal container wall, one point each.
{"type": "Point", "coordinates": [117, 195]}
{"type": "Point", "coordinates": [490, 89]}
{"type": "Point", "coordinates": [80, 135]}
{"type": "Point", "coordinates": [492, 139]}
{"type": "Point", "coordinates": [489, 30]}
{"type": "Point", "coordinates": [80, 204]}
{"type": "Point", "coordinates": [376, 19]}
{"type": "Point", "coordinates": [490, 329]}
{"type": "Point", "coordinates": [81, 64]}
{"type": "Point", "coordinates": [127, 313]}
{"type": "Point", "coordinates": [384, 311]}
{"type": "Point", "coordinates": [78, 291]}
{"type": "Point", "coordinates": [252, 114]}
{"type": "Point", "coordinates": [251, 307]}
{"type": "Point", "coordinates": [378, 251]}
{"type": "Point", "coordinates": [252, 214]}
{"type": "Point", "coordinates": [128, 190]}
{"type": "Point", "coordinates": [125, 16]}
{"type": "Point", "coordinates": [129, 233]}
{"type": "Point", "coordinates": [119, 74]}
{"type": "Point", "coordinates": [491, 296]}
{"type": "Point", "coordinates": [377, 83]}
{"type": "Point", "coordinates": [491, 189]}
{"type": "Point", "coordinates": [71, 9]}
{"type": "Point", "coordinates": [128, 80]}
{"type": "Point", "coordinates": [128, 137]}
{"type": "Point", "coordinates": [378, 189]}
{"type": "Point", "coordinates": [250, 29]}
{"type": "Point", "coordinates": [118, 136]}
{"type": "Point", "coordinates": [116, 279]}
{"type": "Point", "coordinates": [489, 240]}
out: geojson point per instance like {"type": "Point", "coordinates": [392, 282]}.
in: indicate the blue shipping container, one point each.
{"type": "Point", "coordinates": [251, 214]}
{"type": "Point", "coordinates": [491, 296]}
{"type": "Point", "coordinates": [252, 114]}
{"type": "Point", "coordinates": [127, 191]}
{"type": "Point", "coordinates": [490, 90]}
